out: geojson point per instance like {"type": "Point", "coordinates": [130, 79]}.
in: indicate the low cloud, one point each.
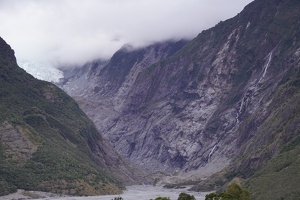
{"type": "Point", "coordinates": [74, 31]}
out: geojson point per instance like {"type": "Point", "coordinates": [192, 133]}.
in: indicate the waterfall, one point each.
{"type": "Point", "coordinates": [244, 102]}
{"type": "Point", "coordinates": [247, 96]}
{"type": "Point", "coordinates": [240, 110]}
{"type": "Point", "coordinates": [212, 151]}
{"type": "Point", "coordinates": [266, 66]}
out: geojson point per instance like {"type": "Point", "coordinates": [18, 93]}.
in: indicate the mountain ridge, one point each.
{"type": "Point", "coordinates": [47, 143]}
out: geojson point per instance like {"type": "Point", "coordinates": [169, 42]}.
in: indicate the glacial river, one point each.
{"type": "Point", "coordinates": [139, 192]}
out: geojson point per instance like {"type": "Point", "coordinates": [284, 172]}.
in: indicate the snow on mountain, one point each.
{"type": "Point", "coordinates": [41, 70]}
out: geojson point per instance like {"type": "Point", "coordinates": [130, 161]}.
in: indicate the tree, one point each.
{"type": "Point", "coordinates": [184, 196]}
{"type": "Point", "coordinates": [118, 198]}
{"type": "Point", "coordinates": [234, 192]}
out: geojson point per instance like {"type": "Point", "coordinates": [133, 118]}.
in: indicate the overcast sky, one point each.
{"type": "Point", "coordinates": [75, 31]}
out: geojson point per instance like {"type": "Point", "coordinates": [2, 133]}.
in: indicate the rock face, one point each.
{"type": "Point", "coordinates": [204, 104]}
{"type": "Point", "coordinates": [17, 145]}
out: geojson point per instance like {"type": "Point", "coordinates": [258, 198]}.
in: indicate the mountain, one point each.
{"type": "Point", "coordinates": [225, 103]}
{"type": "Point", "coordinates": [47, 143]}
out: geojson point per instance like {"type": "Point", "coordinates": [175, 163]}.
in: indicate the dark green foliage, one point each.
{"type": "Point", "coordinates": [211, 196]}
{"type": "Point", "coordinates": [6, 188]}
{"type": "Point", "coordinates": [180, 185]}
{"type": "Point", "coordinates": [185, 196]}
{"type": "Point", "coordinates": [162, 198]}
{"type": "Point", "coordinates": [280, 177]}
{"type": "Point", "coordinates": [118, 198]}
{"type": "Point", "coordinates": [234, 192]}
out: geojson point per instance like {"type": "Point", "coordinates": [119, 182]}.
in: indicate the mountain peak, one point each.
{"type": "Point", "coordinates": [7, 54]}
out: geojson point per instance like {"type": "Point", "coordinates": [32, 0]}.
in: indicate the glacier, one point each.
{"type": "Point", "coordinates": [41, 71]}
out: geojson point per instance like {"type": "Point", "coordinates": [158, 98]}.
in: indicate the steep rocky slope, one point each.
{"type": "Point", "coordinates": [228, 98]}
{"type": "Point", "coordinates": [47, 143]}
{"type": "Point", "coordinates": [101, 87]}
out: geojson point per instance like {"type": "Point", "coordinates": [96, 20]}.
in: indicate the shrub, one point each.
{"type": "Point", "coordinates": [184, 196]}
{"type": "Point", "coordinates": [234, 192]}
{"type": "Point", "coordinates": [162, 198]}
{"type": "Point", "coordinates": [118, 198]}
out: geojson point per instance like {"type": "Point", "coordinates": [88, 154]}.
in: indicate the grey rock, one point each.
{"type": "Point", "coordinates": [176, 107]}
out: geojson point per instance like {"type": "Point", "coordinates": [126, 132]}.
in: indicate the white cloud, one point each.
{"type": "Point", "coordinates": [74, 31]}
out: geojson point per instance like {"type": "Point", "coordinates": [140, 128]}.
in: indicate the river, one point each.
{"type": "Point", "coordinates": [137, 192]}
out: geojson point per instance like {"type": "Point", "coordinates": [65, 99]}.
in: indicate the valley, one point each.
{"type": "Point", "coordinates": [217, 109]}
{"type": "Point", "coordinates": [131, 193]}
{"type": "Point", "coordinates": [199, 105]}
